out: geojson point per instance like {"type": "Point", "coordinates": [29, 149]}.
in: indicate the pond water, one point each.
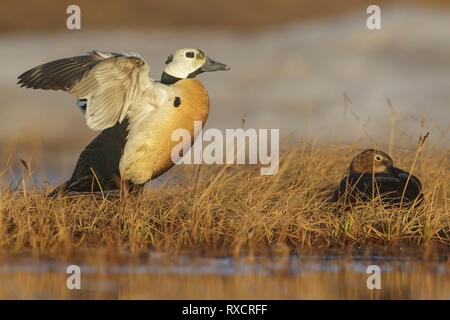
{"type": "Point", "coordinates": [160, 276]}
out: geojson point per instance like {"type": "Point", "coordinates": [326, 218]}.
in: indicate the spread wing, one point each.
{"type": "Point", "coordinates": [111, 83]}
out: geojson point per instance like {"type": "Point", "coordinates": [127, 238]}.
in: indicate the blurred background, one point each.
{"type": "Point", "coordinates": [297, 65]}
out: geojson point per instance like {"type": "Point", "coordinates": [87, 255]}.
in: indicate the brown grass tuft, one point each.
{"type": "Point", "coordinates": [232, 209]}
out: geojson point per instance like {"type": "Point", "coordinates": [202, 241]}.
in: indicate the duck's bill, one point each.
{"type": "Point", "coordinates": [213, 65]}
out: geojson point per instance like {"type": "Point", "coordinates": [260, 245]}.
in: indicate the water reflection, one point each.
{"type": "Point", "coordinates": [156, 263]}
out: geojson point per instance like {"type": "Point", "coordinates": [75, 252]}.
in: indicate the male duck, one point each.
{"type": "Point", "coordinates": [135, 113]}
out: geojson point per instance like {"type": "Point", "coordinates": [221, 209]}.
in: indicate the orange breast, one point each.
{"type": "Point", "coordinates": [152, 155]}
{"type": "Point", "coordinates": [194, 106]}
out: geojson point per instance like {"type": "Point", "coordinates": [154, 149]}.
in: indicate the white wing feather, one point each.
{"type": "Point", "coordinates": [111, 87]}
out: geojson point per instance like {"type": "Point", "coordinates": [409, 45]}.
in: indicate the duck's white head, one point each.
{"type": "Point", "coordinates": [189, 62]}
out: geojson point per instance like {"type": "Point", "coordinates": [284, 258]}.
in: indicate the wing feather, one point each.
{"type": "Point", "coordinates": [110, 82]}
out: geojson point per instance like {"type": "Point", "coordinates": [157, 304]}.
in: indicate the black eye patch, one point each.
{"type": "Point", "coordinates": [177, 102]}
{"type": "Point", "coordinates": [190, 54]}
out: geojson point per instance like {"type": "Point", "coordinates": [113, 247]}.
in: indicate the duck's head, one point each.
{"type": "Point", "coordinates": [371, 161]}
{"type": "Point", "coordinates": [188, 63]}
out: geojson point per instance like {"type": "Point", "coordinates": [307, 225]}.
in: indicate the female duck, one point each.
{"type": "Point", "coordinates": [372, 174]}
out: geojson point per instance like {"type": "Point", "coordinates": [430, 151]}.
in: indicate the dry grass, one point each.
{"type": "Point", "coordinates": [232, 209]}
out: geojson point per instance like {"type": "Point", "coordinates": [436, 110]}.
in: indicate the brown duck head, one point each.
{"type": "Point", "coordinates": [371, 161]}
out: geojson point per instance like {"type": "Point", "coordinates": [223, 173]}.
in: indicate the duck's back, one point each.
{"type": "Point", "coordinates": [389, 186]}
{"type": "Point", "coordinates": [99, 162]}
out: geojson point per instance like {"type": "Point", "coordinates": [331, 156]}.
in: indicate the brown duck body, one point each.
{"type": "Point", "coordinates": [140, 152]}
{"type": "Point", "coordinates": [147, 153]}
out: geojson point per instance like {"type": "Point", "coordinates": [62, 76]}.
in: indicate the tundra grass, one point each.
{"type": "Point", "coordinates": [233, 210]}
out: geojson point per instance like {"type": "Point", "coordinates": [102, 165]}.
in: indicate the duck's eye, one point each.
{"type": "Point", "coordinates": [378, 158]}
{"type": "Point", "coordinates": [190, 54]}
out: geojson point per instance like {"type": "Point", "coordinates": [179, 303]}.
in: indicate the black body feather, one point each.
{"type": "Point", "coordinates": [389, 185]}
{"type": "Point", "coordinates": [102, 157]}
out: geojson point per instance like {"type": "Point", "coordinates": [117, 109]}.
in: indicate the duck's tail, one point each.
{"type": "Point", "coordinates": [58, 191]}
